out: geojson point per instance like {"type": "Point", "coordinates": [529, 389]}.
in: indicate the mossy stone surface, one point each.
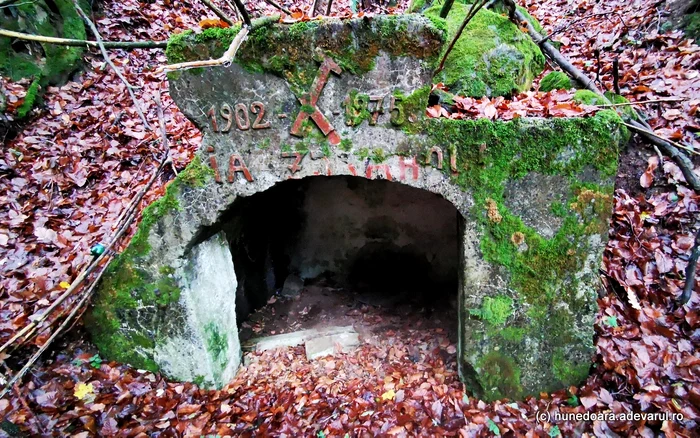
{"type": "Point", "coordinates": [493, 57]}
{"type": "Point", "coordinates": [44, 63]}
{"type": "Point", "coordinates": [131, 285]}
{"type": "Point", "coordinates": [542, 283]}
{"type": "Point", "coordinates": [284, 50]}
{"type": "Point", "coordinates": [555, 80]}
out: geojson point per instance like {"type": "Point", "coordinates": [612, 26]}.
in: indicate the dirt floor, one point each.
{"type": "Point", "coordinates": [375, 316]}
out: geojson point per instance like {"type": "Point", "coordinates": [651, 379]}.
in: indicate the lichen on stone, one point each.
{"type": "Point", "coordinates": [494, 310]}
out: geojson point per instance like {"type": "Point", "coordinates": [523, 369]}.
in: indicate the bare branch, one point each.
{"type": "Point", "coordinates": [643, 102]}
{"type": "Point", "coordinates": [219, 13]}
{"type": "Point", "coordinates": [244, 13]}
{"type": "Point", "coordinates": [649, 132]}
{"type": "Point", "coordinates": [225, 59]}
{"type": "Point", "coordinates": [328, 8]}
{"type": "Point", "coordinates": [557, 57]}
{"type": "Point", "coordinates": [446, 8]}
{"type": "Point", "coordinates": [670, 149]}
{"type": "Point", "coordinates": [472, 12]}
{"type": "Point", "coordinates": [638, 124]}
{"type": "Point", "coordinates": [48, 342]}
{"type": "Point", "coordinates": [129, 87]}
{"type": "Point", "coordinates": [313, 8]}
{"type": "Point", "coordinates": [690, 271]}
{"type": "Point", "coordinates": [83, 43]}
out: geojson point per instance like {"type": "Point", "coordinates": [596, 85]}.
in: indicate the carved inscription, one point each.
{"type": "Point", "coordinates": [240, 114]}
{"type": "Point", "coordinates": [358, 106]}
{"type": "Point", "coordinates": [409, 167]}
{"type": "Point", "coordinates": [235, 165]}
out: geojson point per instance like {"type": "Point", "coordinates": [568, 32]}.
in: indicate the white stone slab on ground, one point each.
{"type": "Point", "coordinates": [297, 338]}
{"type": "Point", "coordinates": [329, 345]}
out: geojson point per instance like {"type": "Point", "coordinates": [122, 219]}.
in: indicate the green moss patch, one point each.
{"type": "Point", "coordinates": [499, 376]}
{"type": "Point", "coordinates": [588, 97]}
{"type": "Point", "coordinates": [45, 63]}
{"type": "Point", "coordinates": [565, 370]}
{"type": "Point", "coordinates": [555, 80]}
{"type": "Point", "coordinates": [283, 50]}
{"type": "Point", "coordinates": [129, 290]}
{"type": "Point", "coordinates": [494, 310]}
{"type": "Point", "coordinates": [492, 57]}
{"type": "Point", "coordinates": [543, 292]}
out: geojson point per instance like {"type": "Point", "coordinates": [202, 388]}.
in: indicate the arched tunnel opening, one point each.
{"type": "Point", "coordinates": [343, 251]}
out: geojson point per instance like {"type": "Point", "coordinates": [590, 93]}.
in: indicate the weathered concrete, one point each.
{"type": "Point", "coordinates": [529, 252]}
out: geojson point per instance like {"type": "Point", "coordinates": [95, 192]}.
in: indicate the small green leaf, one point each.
{"type": "Point", "coordinates": [554, 431]}
{"type": "Point", "coordinates": [611, 321]}
{"type": "Point", "coordinates": [465, 399]}
{"type": "Point", "coordinates": [321, 434]}
{"type": "Point", "coordinates": [573, 400]}
{"type": "Point", "coordinates": [493, 427]}
{"type": "Point", "coordinates": [95, 361]}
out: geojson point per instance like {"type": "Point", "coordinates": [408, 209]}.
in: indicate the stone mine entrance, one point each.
{"type": "Point", "coordinates": [329, 248]}
{"type": "Point", "coordinates": [319, 173]}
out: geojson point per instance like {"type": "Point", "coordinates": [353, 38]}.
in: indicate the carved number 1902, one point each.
{"type": "Point", "coordinates": [239, 114]}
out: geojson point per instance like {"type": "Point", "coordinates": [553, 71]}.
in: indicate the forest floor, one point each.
{"type": "Point", "coordinates": [67, 176]}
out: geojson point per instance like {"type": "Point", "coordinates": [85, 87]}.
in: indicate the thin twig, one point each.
{"type": "Point", "coordinates": [274, 4]}
{"type": "Point", "coordinates": [472, 12]}
{"type": "Point", "coordinates": [125, 226]}
{"type": "Point", "coordinates": [642, 102]}
{"type": "Point", "coordinates": [225, 59]}
{"type": "Point", "coordinates": [313, 8]}
{"type": "Point", "coordinates": [244, 13]}
{"type": "Point", "coordinates": [131, 208]}
{"type": "Point", "coordinates": [690, 271]}
{"type": "Point", "coordinates": [328, 8]}
{"type": "Point", "coordinates": [219, 13]}
{"type": "Point", "coordinates": [575, 21]}
{"type": "Point", "coordinates": [81, 43]}
{"type": "Point", "coordinates": [129, 87]}
{"type": "Point", "coordinates": [163, 133]}
{"type": "Point", "coordinates": [49, 341]}
{"type": "Point", "coordinates": [649, 132]}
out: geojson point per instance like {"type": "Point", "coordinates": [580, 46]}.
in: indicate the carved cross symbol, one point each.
{"type": "Point", "coordinates": [310, 99]}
